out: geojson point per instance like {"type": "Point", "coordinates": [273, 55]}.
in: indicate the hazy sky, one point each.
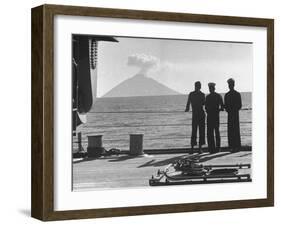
{"type": "Point", "coordinates": [175, 63]}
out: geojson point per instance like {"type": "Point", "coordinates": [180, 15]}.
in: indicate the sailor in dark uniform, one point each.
{"type": "Point", "coordinates": [213, 105]}
{"type": "Point", "coordinates": [232, 104]}
{"type": "Point", "coordinates": [197, 100]}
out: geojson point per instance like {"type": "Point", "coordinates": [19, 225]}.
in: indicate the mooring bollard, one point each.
{"type": "Point", "coordinates": [94, 148]}
{"type": "Point", "coordinates": [136, 147]}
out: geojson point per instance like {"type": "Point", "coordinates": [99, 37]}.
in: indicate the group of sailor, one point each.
{"type": "Point", "coordinates": [214, 103]}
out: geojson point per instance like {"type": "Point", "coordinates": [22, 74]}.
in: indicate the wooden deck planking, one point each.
{"type": "Point", "coordinates": [126, 171]}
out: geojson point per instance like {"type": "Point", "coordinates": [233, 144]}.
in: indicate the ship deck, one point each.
{"type": "Point", "coordinates": [126, 171]}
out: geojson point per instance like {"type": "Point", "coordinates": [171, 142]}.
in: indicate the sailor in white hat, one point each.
{"type": "Point", "coordinates": [212, 84]}
{"type": "Point", "coordinates": [213, 107]}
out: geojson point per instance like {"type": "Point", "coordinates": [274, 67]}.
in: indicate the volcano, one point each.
{"type": "Point", "coordinates": [140, 85]}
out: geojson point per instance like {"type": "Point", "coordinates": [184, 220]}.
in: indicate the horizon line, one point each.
{"type": "Point", "coordinates": [181, 94]}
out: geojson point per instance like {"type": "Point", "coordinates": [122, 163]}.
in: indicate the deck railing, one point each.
{"type": "Point", "coordinates": [82, 141]}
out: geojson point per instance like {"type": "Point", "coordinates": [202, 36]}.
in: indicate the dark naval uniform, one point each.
{"type": "Point", "coordinates": [213, 106]}
{"type": "Point", "coordinates": [197, 101]}
{"type": "Point", "coordinates": [232, 104]}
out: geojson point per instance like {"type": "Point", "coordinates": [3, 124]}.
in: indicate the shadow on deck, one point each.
{"type": "Point", "coordinates": [201, 158]}
{"type": "Point", "coordinates": [154, 163]}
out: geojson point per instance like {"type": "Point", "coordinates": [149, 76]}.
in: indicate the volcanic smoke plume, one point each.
{"type": "Point", "coordinates": [143, 61]}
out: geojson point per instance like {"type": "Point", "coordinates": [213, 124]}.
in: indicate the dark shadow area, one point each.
{"type": "Point", "coordinates": [84, 160]}
{"type": "Point", "coordinates": [213, 156]}
{"type": "Point", "coordinates": [188, 150]}
{"type": "Point", "coordinates": [163, 162]}
{"type": "Point", "coordinates": [110, 158]}
{"type": "Point", "coordinates": [124, 158]}
{"type": "Point", "coordinates": [149, 163]}
{"type": "Point", "coordinates": [241, 156]}
{"type": "Point", "coordinates": [25, 212]}
{"type": "Point", "coordinates": [200, 157]}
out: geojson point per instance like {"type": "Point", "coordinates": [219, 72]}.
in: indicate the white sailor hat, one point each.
{"type": "Point", "coordinates": [211, 84]}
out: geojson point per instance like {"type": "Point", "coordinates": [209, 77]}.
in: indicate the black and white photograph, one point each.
{"type": "Point", "coordinates": [150, 112]}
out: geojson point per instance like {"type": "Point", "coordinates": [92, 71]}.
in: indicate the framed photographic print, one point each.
{"type": "Point", "coordinates": [141, 112]}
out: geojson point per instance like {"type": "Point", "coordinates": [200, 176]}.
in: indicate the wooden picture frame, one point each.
{"type": "Point", "coordinates": [43, 111]}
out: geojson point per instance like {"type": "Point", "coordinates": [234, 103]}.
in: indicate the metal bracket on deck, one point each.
{"type": "Point", "coordinates": [200, 174]}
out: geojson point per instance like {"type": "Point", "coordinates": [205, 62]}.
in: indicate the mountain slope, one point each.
{"type": "Point", "coordinates": [140, 85]}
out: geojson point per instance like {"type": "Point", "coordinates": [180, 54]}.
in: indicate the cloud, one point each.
{"type": "Point", "coordinates": [143, 61]}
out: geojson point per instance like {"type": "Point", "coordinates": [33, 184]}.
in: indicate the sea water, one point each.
{"type": "Point", "coordinates": [161, 119]}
